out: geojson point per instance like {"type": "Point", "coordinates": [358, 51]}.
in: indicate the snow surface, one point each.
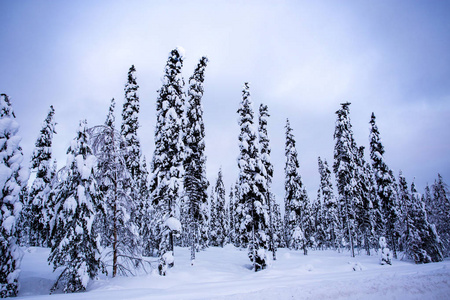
{"type": "Point", "coordinates": [225, 273]}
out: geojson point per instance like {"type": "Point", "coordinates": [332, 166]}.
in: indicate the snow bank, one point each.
{"type": "Point", "coordinates": [224, 273]}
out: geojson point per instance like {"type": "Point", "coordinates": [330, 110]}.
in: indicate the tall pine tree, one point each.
{"type": "Point", "coordinates": [264, 143]}
{"type": "Point", "coordinates": [419, 238]}
{"type": "Point", "coordinates": [195, 182]}
{"type": "Point", "coordinates": [130, 125]}
{"type": "Point", "coordinates": [166, 185]}
{"type": "Point", "coordinates": [296, 200]}
{"type": "Point", "coordinates": [364, 207]}
{"type": "Point", "coordinates": [218, 224]}
{"type": "Point", "coordinates": [37, 208]}
{"type": "Point", "coordinates": [345, 169]}
{"type": "Point", "coordinates": [74, 243]}
{"type": "Point", "coordinates": [13, 178]}
{"type": "Point", "coordinates": [331, 221]}
{"type": "Point", "coordinates": [440, 211]}
{"type": "Point", "coordinates": [253, 188]}
{"type": "Point", "coordinates": [386, 188]}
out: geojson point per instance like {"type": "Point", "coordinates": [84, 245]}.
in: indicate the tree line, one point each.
{"type": "Point", "coordinates": [106, 209]}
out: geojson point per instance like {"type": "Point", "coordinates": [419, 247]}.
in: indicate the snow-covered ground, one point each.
{"type": "Point", "coordinates": [225, 274]}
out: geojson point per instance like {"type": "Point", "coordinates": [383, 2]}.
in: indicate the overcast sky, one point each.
{"type": "Point", "coordinates": [302, 59]}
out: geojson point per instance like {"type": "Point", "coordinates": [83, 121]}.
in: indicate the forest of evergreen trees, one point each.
{"type": "Point", "coordinates": [107, 210]}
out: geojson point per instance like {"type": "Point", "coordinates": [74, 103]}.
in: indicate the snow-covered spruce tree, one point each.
{"type": "Point", "coordinates": [345, 169]}
{"type": "Point", "coordinates": [41, 187]}
{"type": "Point", "coordinates": [145, 206]}
{"type": "Point", "coordinates": [428, 200]}
{"type": "Point", "coordinates": [234, 215]}
{"type": "Point", "coordinates": [195, 181]}
{"type": "Point", "coordinates": [364, 208]}
{"type": "Point", "coordinates": [130, 124]}
{"type": "Point", "coordinates": [278, 225]}
{"type": "Point", "coordinates": [22, 220]}
{"type": "Point", "coordinates": [440, 211]}
{"type": "Point", "coordinates": [117, 229]}
{"type": "Point", "coordinates": [217, 227]}
{"type": "Point", "coordinates": [404, 200]}
{"type": "Point", "coordinates": [318, 230]}
{"type": "Point", "coordinates": [252, 209]}
{"type": "Point", "coordinates": [264, 143]}
{"type": "Point", "coordinates": [386, 188]}
{"type": "Point", "coordinates": [13, 178]}
{"type": "Point", "coordinates": [296, 200]}
{"type": "Point", "coordinates": [74, 243]}
{"type": "Point", "coordinates": [331, 221]}
{"type": "Point", "coordinates": [166, 185]}
{"type": "Point", "coordinates": [376, 213]}
{"type": "Point", "coordinates": [419, 238]}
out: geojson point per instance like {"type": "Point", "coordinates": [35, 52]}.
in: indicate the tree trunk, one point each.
{"type": "Point", "coordinates": [193, 242]}
{"type": "Point", "coordinates": [115, 241]}
{"type": "Point", "coordinates": [350, 233]}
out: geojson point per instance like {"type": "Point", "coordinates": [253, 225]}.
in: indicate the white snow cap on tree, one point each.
{"type": "Point", "coordinates": [174, 224]}
{"type": "Point", "coordinates": [181, 51]}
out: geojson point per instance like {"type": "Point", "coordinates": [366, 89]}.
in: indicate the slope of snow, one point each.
{"type": "Point", "coordinates": [225, 274]}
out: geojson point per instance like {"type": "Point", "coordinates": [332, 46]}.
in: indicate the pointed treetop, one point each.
{"type": "Point", "coordinates": [181, 51]}
{"type": "Point", "coordinates": [5, 106]}
{"type": "Point", "coordinates": [131, 86]}
{"type": "Point", "coordinates": [110, 119]}
{"type": "Point", "coordinates": [246, 107]}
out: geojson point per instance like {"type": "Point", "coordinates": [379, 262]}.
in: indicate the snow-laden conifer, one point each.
{"type": "Point", "coordinates": [195, 182]}
{"type": "Point", "coordinates": [145, 206]}
{"type": "Point", "coordinates": [166, 185]}
{"type": "Point", "coordinates": [296, 202]}
{"type": "Point", "coordinates": [440, 211]}
{"type": "Point", "coordinates": [278, 225]}
{"type": "Point", "coordinates": [252, 210]}
{"type": "Point", "coordinates": [386, 188]}
{"type": "Point", "coordinates": [318, 230]}
{"type": "Point", "coordinates": [331, 220]}
{"type": "Point", "coordinates": [130, 124]}
{"type": "Point", "coordinates": [364, 205]}
{"type": "Point", "coordinates": [37, 207]}
{"type": "Point", "coordinates": [218, 225]}
{"type": "Point", "coordinates": [13, 177]}
{"type": "Point", "coordinates": [74, 244]}
{"type": "Point", "coordinates": [234, 216]}
{"type": "Point", "coordinates": [345, 170]}
{"type": "Point", "coordinates": [419, 238]}
{"type": "Point", "coordinates": [132, 154]}
{"type": "Point", "coordinates": [265, 149]}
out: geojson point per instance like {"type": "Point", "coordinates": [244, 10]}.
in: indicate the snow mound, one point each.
{"type": "Point", "coordinates": [222, 273]}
